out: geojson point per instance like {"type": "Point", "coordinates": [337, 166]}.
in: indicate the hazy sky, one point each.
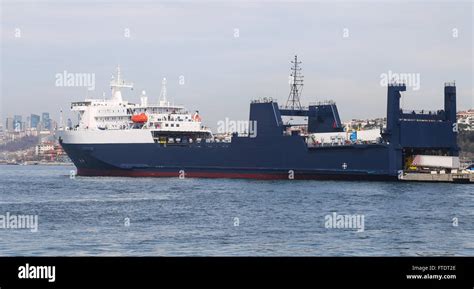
{"type": "Point", "coordinates": [222, 72]}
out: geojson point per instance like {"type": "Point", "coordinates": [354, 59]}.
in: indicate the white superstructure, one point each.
{"type": "Point", "coordinates": [158, 121]}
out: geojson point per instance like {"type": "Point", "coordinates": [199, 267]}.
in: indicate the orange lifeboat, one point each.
{"type": "Point", "coordinates": [140, 118]}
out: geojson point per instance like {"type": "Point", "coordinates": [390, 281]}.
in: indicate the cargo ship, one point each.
{"type": "Point", "coordinates": [118, 138]}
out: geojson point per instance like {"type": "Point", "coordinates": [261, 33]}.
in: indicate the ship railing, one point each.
{"type": "Point", "coordinates": [284, 107]}
{"type": "Point", "coordinates": [423, 112]}
{"type": "Point", "coordinates": [322, 102]}
{"type": "Point", "coordinates": [262, 100]}
{"type": "Point", "coordinates": [397, 84]}
{"type": "Point", "coordinates": [342, 143]}
{"type": "Point", "coordinates": [319, 145]}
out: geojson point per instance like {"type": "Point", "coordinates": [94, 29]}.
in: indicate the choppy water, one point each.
{"type": "Point", "coordinates": [169, 216]}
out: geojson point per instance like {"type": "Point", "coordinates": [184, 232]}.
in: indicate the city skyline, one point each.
{"type": "Point", "coordinates": [32, 120]}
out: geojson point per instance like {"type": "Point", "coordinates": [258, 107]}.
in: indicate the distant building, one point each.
{"type": "Point", "coordinates": [53, 124]}
{"type": "Point", "coordinates": [34, 121]}
{"type": "Point", "coordinates": [9, 124]}
{"type": "Point", "coordinates": [46, 148]}
{"type": "Point", "coordinates": [50, 151]}
{"type": "Point", "coordinates": [364, 124]}
{"type": "Point", "coordinates": [46, 121]}
{"type": "Point", "coordinates": [466, 119]}
{"type": "Point", "coordinates": [17, 124]}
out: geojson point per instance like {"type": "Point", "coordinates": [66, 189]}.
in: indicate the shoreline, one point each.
{"type": "Point", "coordinates": [36, 164]}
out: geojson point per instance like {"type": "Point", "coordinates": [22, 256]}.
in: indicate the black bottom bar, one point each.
{"type": "Point", "coordinates": [237, 272]}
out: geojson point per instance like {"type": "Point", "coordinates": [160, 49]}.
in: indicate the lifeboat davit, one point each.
{"type": "Point", "coordinates": [140, 118]}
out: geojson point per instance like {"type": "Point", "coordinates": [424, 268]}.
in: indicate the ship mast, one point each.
{"type": "Point", "coordinates": [163, 101]}
{"type": "Point", "coordinates": [296, 87]}
{"type": "Point", "coordinates": [117, 84]}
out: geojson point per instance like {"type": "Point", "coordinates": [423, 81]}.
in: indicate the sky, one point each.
{"type": "Point", "coordinates": [230, 52]}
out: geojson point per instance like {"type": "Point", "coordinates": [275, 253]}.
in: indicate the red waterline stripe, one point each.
{"type": "Point", "coordinates": [230, 175]}
{"type": "Point", "coordinates": [118, 173]}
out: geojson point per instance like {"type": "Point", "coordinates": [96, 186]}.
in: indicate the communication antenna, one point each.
{"type": "Point", "coordinates": [163, 100]}
{"type": "Point", "coordinates": [296, 85]}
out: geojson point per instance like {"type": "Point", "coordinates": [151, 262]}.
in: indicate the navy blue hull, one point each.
{"type": "Point", "coordinates": [243, 158]}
